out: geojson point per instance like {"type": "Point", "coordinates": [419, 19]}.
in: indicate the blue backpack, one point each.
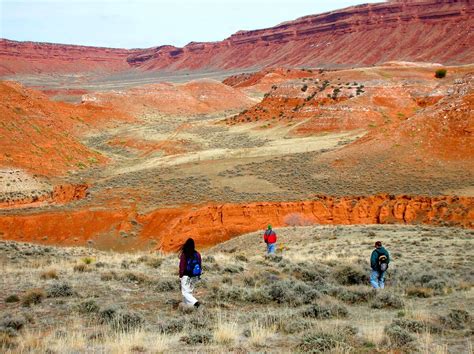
{"type": "Point", "coordinates": [193, 268]}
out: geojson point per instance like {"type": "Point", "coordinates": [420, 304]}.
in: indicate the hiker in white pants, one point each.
{"type": "Point", "coordinates": [189, 272]}
{"type": "Point", "coordinates": [187, 288]}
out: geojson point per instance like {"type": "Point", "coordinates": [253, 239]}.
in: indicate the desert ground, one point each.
{"type": "Point", "coordinates": [312, 296]}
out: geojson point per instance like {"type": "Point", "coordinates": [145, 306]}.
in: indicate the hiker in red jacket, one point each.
{"type": "Point", "coordinates": [270, 239]}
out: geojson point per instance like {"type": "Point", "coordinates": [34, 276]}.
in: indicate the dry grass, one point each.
{"type": "Point", "coordinates": [226, 332]}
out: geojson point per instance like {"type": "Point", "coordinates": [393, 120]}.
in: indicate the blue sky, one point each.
{"type": "Point", "coordinates": [147, 23]}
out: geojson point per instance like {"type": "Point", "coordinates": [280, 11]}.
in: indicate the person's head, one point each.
{"type": "Point", "coordinates": [269, 227]}
{"type": "Point", "coordinates": [188, 248]}
{"type": "Point", "coordinates": [378, 244]}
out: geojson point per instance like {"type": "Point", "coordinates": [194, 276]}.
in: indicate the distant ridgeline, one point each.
{"type": "Point", "coordinates": [356, 36]}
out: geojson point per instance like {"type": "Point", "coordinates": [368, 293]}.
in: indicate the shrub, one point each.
{"type": "Point", "coordinates": [387, 300]}
{"type": "Point", "coordinates": [60, 290]}
{"type": "Point", "coordinates": [107, 276]}
{"type": "Point", "coordinates": [233, 268]}
{"type": "Point", "coordinates": [166, 285]}
{"type": "Point", "coordinates": [353, 296]}
{"type": "Point", "coordinates": [456, 319]}
{"type": "Point", "coordinates": [50, 274]}
{"type": "Point", "coordinates": [295, 326]}
{"type": "Point", "coordinates": [196, 338]}
{"type": "Point", "coordinates": [81, 268]}
{"type": "Point", "coordinates": [320, 342]}
{"type": "Point", "coordinates": [134, 278]}
{"type": "Point", "coordinates": [325, 311]}
{"type": "Point", "coordinates": [13, 322]}
{"type": "Point", "coordinates": [121, 320]}
{"type": "Point", "coordinates": [410, 325]}
{"type": "Point", "coordinates": [440, 73]}
{"type": "Point", "coordinates": [171, 326]}
{"type": "Point", "coordinates": [399, 337]}
{"type": "Point", "coordinates": [88, 306]}
{"type": "Point", "coordinates": [350, 275]}
{"type": "Point", "coordinates": [126, 321]}
{"type": "Point", "coordinates": [88, 260]}
{"type": "Point", "coordinates": [12, 298]}
{"type": "Point", "coordinates": [419, 291]}
{"type": "Point", "coordinates": [154, 262]}
{"type": "Point", "coordinates": [32, 297]}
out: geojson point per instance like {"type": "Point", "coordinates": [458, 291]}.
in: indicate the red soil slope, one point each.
{"type": "Point", "coordinates": [443, 131]}
{"type": "Point", "coordinates": [212, 224]}
{"type": "Point", "coordinates": [412, 30]}
{"type": "Point", "coordinates": [39, 135]}
{"type": "Point", "coordinates": [194, 97]}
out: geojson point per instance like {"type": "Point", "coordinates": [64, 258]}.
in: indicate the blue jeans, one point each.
{"type": "Point", "coordinates": [271, 248]}
{"type": "Point", "coordinates": [377, 279]}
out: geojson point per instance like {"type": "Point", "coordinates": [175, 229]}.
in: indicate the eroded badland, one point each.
{"type": "Point", "coordinates": [332, 119]}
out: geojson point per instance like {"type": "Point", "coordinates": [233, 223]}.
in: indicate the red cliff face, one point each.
{"type": "Point", "coordinates": [430, 30]}
{"type": "Point", "coordinates": [32, 57]}
{"type": "Point", "coordinates": [212, 224]}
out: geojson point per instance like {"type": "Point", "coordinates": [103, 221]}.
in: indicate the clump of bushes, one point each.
{"type": "Point", "coordinates": [456, 319]}
{"type": "Point", "coordinates": [352, 296]}
{"type": "Point", "coordinates": [12, 298]}
{"type": "Point", "coordinates": [12, 322]}
{"type": "Point", "coordinates": [32, 297]}
{"type": "Point", "coordinates": [323, 342]}
{"type": "Point", "coordinates": [440, 73]}
{"type": "Point", "coordinates": [386, 300]}
{"type": "Point", "coordinates": [419, 291]}
{"type": "Point", "coordinates": [166, 285]}
{"type": "Point", "coordinates": [399, 337]}
{"type": "Point", "coordinates": [325, 311]}
{"type": "Point", "coordinates": [121, 320]}
{"type": "Point", "coordinates": [82, 268]}
{"type": "Point", "coordinates": [60, 290]}
{"type": "Point", "coordinates": [50, 274]}
{"type": "Point", "coordinates": [410, 325]}
{"type": "Point", "coordinates": [350, 275]}
{"type": "Point", "coordinates": [88, 306]}
{"type": "Point", "coordinates": [171, 326]}
{"type": "Point", "coordinates": [196, 338]}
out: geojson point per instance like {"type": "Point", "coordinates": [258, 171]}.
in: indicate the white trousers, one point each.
{"type": "Point", "coordinates": [187, 288]}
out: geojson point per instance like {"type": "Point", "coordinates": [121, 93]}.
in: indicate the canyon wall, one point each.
{"type": "Point", "coordinates": [430, 30]}
{"type": "Point", "coordinates": [166, 229]}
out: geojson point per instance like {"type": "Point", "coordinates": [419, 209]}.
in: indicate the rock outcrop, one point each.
{"type": "Point", "coordinates": [430, 30]}
{"type": "Point", "coordinates": [212, 224]}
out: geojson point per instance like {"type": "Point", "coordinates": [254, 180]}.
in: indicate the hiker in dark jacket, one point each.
{"type": "Point", "coordinates": [379, 261]}
{"type": "Point", "coordinates": [270, 239]}
{"type": "Point", "coordinates": [189, 271]}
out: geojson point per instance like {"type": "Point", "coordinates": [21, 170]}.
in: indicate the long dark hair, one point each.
{"type": "Point", "coordinates": [188, 248]}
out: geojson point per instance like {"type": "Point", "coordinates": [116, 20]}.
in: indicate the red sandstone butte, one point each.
{"type": "Point", "coordinates": [430, 30]}
{"type": "Point", "coordinates": [212, 224]}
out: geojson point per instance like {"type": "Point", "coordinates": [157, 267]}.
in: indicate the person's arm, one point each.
{"type": "Point", "coordinates": [182, 265]}
{"type": "Point", "coordinates": [388, 256]}
{"type": "Point", "coordinates": [265, 237]}
{"type": "Point", "coordinates": [373, 260]}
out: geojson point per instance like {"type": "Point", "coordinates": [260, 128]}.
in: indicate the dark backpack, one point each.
{"type": "Point", "coordinates": [382, 262]}
{"type": "Point", "coordinates": [193, 268]}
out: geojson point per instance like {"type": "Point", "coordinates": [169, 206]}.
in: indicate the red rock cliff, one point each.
{"type": "Point", "coordinates": [212, 224]}
{"type": "Point", "coordinates": [430, 30]}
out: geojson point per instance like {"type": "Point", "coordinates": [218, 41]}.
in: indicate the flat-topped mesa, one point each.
{"type": "Point", "coordinates": [429, 30]}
